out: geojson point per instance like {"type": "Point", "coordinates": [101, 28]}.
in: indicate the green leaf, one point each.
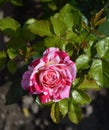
{"type": "Point", "coordinates": [63, 107]}
{"type": "Point", "coordinates": [58, 26]}
{"type": "Point", "coordinates": [12, 67]}
{"type": "Point", "coordinates": [40, 27]}
{"type": "Point", "coordinates": [69, 49]}
{"type": "Point", "coordinates": [13, 47]}
{"type": "Point", "coordinates": [103, 48]}
{"type": "Point", "coordinates": [2, 1]}
{"type": "Point", "coordinates": [26, 34]}
{"type": "Point", "coordinates": [17, 2]}
{"type": "Point", "coordinates": [51, 41]}
{"type": "Point", "coordinates": [2, 63]}
{"type": "Point", "coordinates": [71, 36]}
{"type": "Point", "coordinates": [54, 41]}
{"type": "Point", "coordinates": [88, 84]}
{"type": "Point", "coordinates": [46, 0]}
{"type": "Point", "coordinates": [74, 112]}
{"type": "Point", "coordinates": [80, 97]}
{"type": "Point", "coordinates": [70, 16]}
{"type": "Point", "coordinates": [16, 43]}
{"type": "Point", "coordinates": [89, 50]}
{"type": "Point", "coordinates": [55, 113]}
{"type": "Point", "coordinates": [15, 93]}
{"type": "Point", "coordinates": [103, 27]}
{"type": "Point", "coordinates": [11, 53]}
{"type": "Point", "coordinates": [10, 27]}
{"type": "Point", "coordinates": [82, 62]}
{"type": "Point", "coordinates": [2, 54]}
{"type": "Point", "coordinates": [39, 48]}
{"type": "Point", "coordinates": [100, 72]}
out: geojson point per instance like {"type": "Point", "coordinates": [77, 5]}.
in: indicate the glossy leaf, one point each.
{"type": "Point", "coordinates": [74, 112]}
{"type": "Point", "coordinates": [80, 97]}
{"type": "Point", "coordinates": [82, 62]}
{"type": "Point", "coordinates": [88, 84]}
{"type": "Point", "coordinates": [55, 113]}
{"type": "Point", "coordinates": [63, 106]}
{"type": "Point", "coordinates": [40, 27]}
{"type": "Point", "coordinates": [58, 26]}
{"type": "Point", "coordinates": [70, 16]}
{"type": "Point", "coordinates": [103, 48]}
{"type": "Point", "coordinates": [10, 27]}
{"type": "Point", "coordinates": [89, 50]}
{"type": "Point", "coordinates": [100, 72]}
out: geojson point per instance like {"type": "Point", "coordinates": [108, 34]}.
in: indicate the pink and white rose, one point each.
{"type": "Point", "coordinates": [51, 76]}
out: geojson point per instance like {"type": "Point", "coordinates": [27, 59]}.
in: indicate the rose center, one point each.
{"type": "Point", "coordinates": [49, 78]}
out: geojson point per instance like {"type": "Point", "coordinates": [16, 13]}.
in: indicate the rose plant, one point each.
{"type": "Point", "coordinates": [66, 54]}
{"type": "Point", "coordinates": [51, 76]}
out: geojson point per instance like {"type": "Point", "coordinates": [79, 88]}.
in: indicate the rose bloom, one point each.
{"type": "Point", "coordinates": [51, 76]}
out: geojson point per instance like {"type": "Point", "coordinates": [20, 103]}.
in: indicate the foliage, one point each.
{"type": "Point", "coordinates": [15, 2]}
{"type": "Point", "coordinates": [71, 31]}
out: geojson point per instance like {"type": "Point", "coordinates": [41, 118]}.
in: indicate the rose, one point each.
{"type": "Point", "coordinates": [51, 76]}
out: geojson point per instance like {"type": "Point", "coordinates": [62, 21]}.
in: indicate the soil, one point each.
{"type": "Point", "coordinates": [27, 115]}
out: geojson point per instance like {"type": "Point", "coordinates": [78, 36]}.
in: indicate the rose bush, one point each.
{"type": "Point", "coordinates": [51, 76]}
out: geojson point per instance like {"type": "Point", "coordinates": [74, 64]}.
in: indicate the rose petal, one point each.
{"type": "Point", "coordinates": [51, 76]}
{"type": "Point", "coordinates": [26, 80]}
{"type": "Point", "coordinates": [51, 49]}
{"type": "Point", "coordinates": [45, 97]}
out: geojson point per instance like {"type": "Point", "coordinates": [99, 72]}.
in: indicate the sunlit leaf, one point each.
{"type": "Point", "coordinates": [58, 26]}
{"type": "Point", "coordinates": [82, 62]}
{"type": "Point", "coordinates": [11, 53]}
{"type": "Point", "coordinates": [63, 106]}
{"type": "Point", "coordinates": [100, 72]}
{"type": "Point", "coordinates": [88, 84]}
{"type": "Point", "coordinates": [10, 27]}
{"type": "Point", "coordinates": [103, 48]}
{"type": "Point", "coordinates": [74, 112]}
{"type": "Point", "coordinates": [54, 41]}
{"type": "Point", "coordinates": [55, 113]}
{"type": "Point", "coordinates": [40, 27]}
{"type": "Point", "coordinates": [89, 50]}
{"type": "Point", "coordinates": [70, 16]}
{"type": "Point", "coordinates": [80, 97]}
{"type": "Point", "coordinates": [2, 54]}
{"type": "Point", "coordinates": [51, 41]}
